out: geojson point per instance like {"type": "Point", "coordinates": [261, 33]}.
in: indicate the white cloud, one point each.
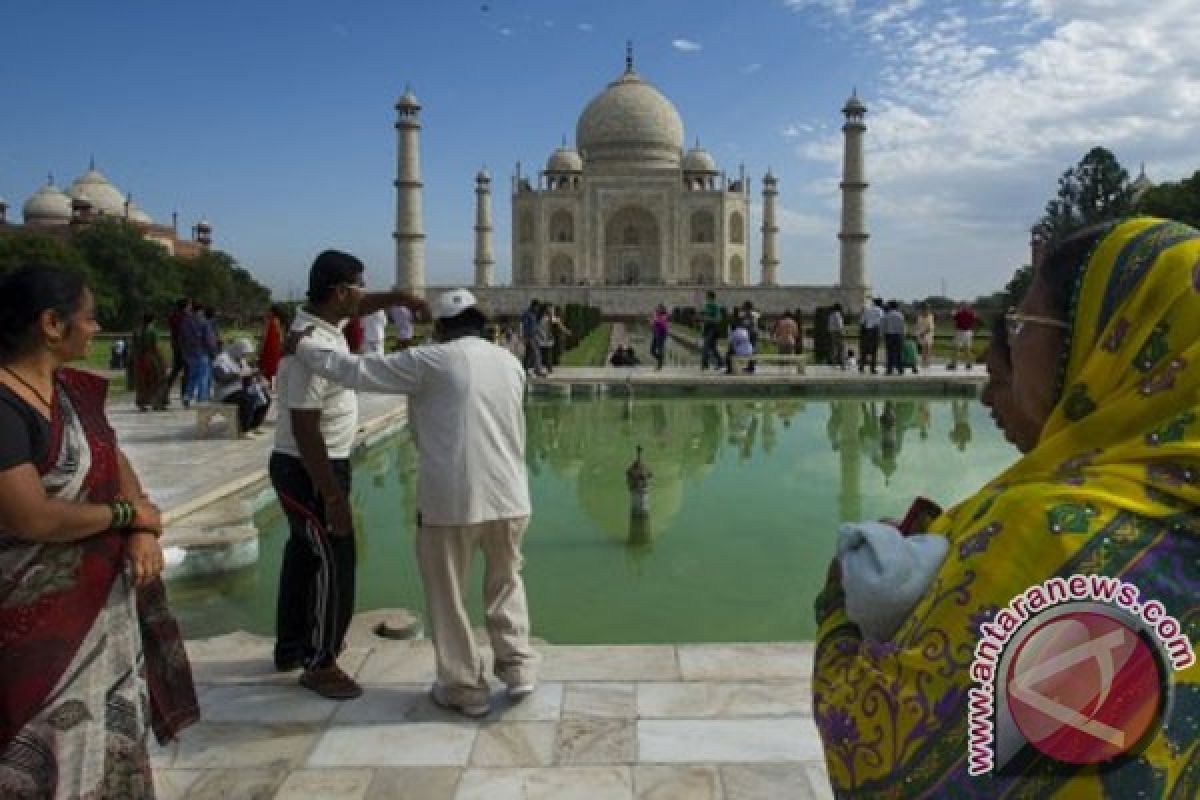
{"type": "Point", "coordinates": [750, 69]}
{"type": "Point", "coordinates": [794, 130]}
{"type": "Point", "coordinates": [840, 7]}
{"type": "Point", "coordinates": [586, 27]}
{"type": "Point", "coordinates": [891, 12]}
{"type": "Point", "coordinates": [686, 45]}
{"type": "Point", "coordinates": [506, 31]}
{"type": "Point", "coordinates": [973, 119]}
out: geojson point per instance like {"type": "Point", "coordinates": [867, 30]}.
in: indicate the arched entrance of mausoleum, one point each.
{"type": "Point", "coordinates": [632, 247]}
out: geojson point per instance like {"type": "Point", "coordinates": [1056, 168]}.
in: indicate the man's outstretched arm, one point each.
{"type": "Point", "coordinates": [394, 373]}
{"type": "Point", "coordinates": [374, 301]}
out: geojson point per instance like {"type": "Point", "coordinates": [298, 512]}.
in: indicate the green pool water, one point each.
{"type": "Point", "coordinates": [744, 504]}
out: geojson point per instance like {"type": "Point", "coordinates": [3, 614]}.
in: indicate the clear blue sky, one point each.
{"type": "Point", "coordinates": [274, 120]}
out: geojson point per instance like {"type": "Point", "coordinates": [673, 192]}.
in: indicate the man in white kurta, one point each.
{"type": "Point", "coordinates": [465, 409]}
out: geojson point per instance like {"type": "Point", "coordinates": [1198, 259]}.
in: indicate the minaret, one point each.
{"type": "Point", "coordinates": [853, 236]}
{"type": "Point", "coordinates": [410, 234]}
{"type": "Point", "coordinates": [483, 229]}
{"type": "Point", "coordinates": [770, 232]}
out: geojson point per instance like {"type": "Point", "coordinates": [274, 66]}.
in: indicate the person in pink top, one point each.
{"type": "Point", "coordinates": [658, 342]}
{"type": "Point", "coordinates": [964, 328]}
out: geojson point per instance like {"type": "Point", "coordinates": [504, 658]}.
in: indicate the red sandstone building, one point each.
{"type": "Point", "coordinates": [52, 211]}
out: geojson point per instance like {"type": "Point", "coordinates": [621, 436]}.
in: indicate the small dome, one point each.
{"type": "Point", "coordinates": [48, 205]}
{"type": "Point", "coordinates": [699, 160]}
{"type": "Point", "coordinates": [564, 159]}
{"type": "Point", "coordinates": [408, 100]}
{"type": "Point", "coordinates": [854, 105]}
{"type": "Point", "coordinates": [630, 121]}
{"type": "Point", "coordinates": [96, 189]}
{"type": "Point", "coordinates": [136, 214]}
{"type": "Point", "coordinates": [482, 176]}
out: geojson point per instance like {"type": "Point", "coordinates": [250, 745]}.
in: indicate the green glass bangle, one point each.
{"type": "Point", "coordinates": [122, 514]}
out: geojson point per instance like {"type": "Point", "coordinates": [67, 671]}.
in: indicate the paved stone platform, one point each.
{"type": "Point", "coordinates": [184, 472]}
{"type": "Point", "coordinates": [670, 722]}
{"type": "Point", "coordinates": [685, 722]}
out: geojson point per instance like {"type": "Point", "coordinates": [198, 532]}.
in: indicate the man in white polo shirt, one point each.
{"type": "Point", "coordinates": [310, 471]}
{"type": "Point", "coordinates": [465, 409]}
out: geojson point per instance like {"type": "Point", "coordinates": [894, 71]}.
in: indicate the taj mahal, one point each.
{"type": "Point", "coordinates": [629, 218]}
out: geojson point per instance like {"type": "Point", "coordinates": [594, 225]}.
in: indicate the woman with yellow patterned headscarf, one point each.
{"type": "Point", "coordinates": [1106, 377]}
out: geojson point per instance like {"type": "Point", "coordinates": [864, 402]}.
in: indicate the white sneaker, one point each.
{"type": "Point", "coordinates": [519, 691]}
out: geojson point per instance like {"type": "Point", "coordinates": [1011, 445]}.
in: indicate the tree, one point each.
{"type": "Point", "coordinates": [33, 248]}
{"type": "Point", "coordinates": [131, 275]}
{"type": "Point", "coordinates": [138, 273]}
{"type": "Point", "coordinates": [1094, 190]}
{"type": "Point", "coordinates": [1179, 200]}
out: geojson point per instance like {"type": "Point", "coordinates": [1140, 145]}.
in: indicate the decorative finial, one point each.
{"type": "Point", "coordinates": [49, 178]}
{"type": "Point", "coordinates": [629, 55]}
{"type": "Point", "coordinates": [564, 141]}
{"type": "Point", "coordinates": [92, 161]}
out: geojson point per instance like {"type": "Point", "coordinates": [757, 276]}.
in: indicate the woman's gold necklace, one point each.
{"type": "Point", "coordinates": [28, 386]}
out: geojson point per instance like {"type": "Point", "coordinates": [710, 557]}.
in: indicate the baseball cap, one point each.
{"type": "Point", "coordinates": [452, 303]}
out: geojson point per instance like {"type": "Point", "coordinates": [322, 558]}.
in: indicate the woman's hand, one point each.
{"type": "Point", "coordinates": [146, 516]}
{"type": "Point", "coordinates": [145, 557]}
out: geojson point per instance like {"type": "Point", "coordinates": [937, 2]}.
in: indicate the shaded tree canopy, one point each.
{"type": "Point", "coordinates": [1095, 190]}
{"type": "Point", "coordinates": [1179, 200]}
{"type": "Point", "coordinates": [131, 275]}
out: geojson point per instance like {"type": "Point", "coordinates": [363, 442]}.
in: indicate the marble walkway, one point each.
{"type": "Point", "coordinates": [671, 722]}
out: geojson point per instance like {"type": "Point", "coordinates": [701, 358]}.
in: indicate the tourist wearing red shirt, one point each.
{"type": "Point", "coordinates": [964, 328]}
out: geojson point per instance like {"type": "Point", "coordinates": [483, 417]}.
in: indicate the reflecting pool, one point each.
{"type": "Point", "coordinates": [744, 502]}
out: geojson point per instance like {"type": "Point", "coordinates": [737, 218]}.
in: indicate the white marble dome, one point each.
{"type": "Point", "coordinates": [96, 189]}
{"type": "Point", "coordinates": [564, 159]}
{"type": "Point", "coordinates": [630, 121]}
{"type": "Point", "coordinates": [137, 214]}
{"type": "Point", "coordinates": [48, 205]}
{"type": "Point", "coordinates": [699, 160]}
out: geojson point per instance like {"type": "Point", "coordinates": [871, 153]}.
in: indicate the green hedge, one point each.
{"type": "Point", "coordinates": [580, 320]}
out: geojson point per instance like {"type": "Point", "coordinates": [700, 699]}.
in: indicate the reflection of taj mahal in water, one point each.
{"type": "Point", "coordinates": [590, 443]}
{"type": "Point", "coordinates": [627, 218]}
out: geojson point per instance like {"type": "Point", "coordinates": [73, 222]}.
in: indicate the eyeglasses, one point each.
{"type": "Point", "coordinates": [1016, 322]}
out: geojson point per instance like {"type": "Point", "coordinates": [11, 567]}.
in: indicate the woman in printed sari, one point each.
{"type": "Point", "coordinates": [91, 658]}
{"type": "Point", "coordinates": [148, 367]}
{"type": "Point", "coordinates": [1105, 385]}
